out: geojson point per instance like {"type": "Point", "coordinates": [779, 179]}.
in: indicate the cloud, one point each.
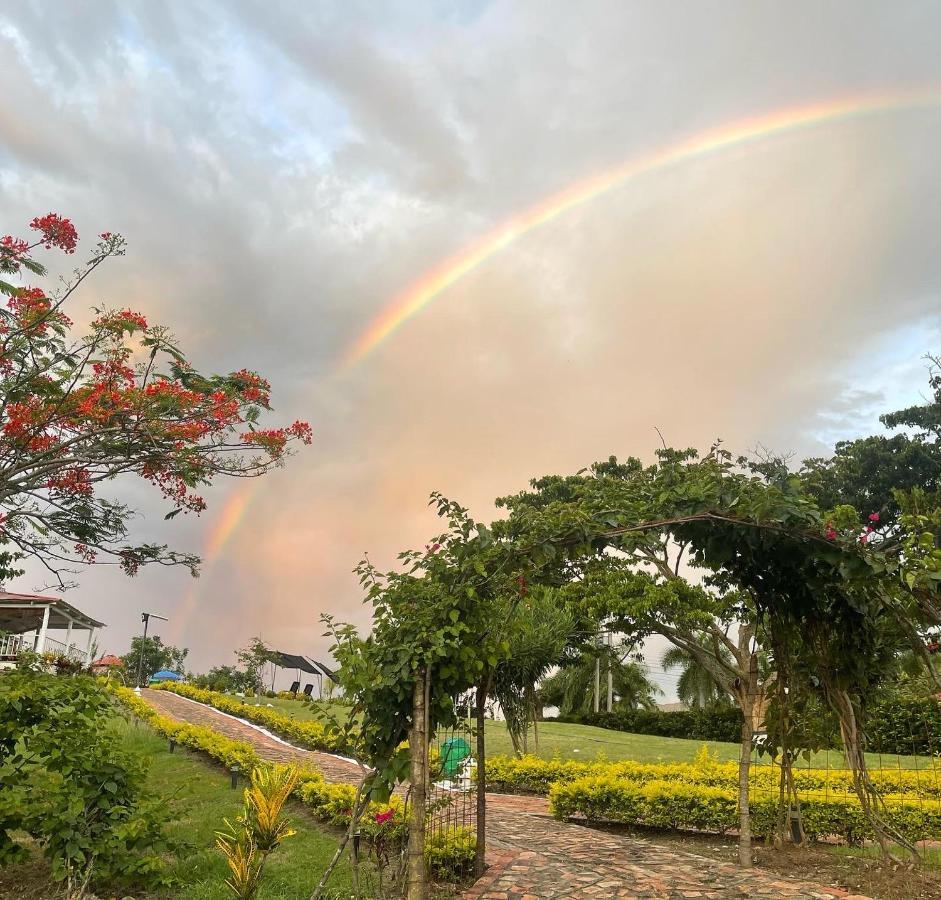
{"type": "Point", "coordinates": [282, 171]}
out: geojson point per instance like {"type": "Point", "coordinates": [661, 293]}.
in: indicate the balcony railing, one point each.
{"type": "Point", "coordinates": [12, 645]}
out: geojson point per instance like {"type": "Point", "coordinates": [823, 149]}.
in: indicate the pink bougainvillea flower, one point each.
{"type": "Point", "coordinates": [873, 517]}
{"type": "Point", "coordinates": [383, 817]}
{"type": "Point", "coordinates": [830, 532]}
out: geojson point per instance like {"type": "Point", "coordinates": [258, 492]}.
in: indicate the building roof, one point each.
{"type": "Point", "coordinates": [108, 659]}
{"type": "Point", "coordinates": [23, 612]}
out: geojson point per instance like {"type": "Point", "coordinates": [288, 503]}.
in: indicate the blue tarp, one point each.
{"type": "Point", "coordinates": [165, 676]}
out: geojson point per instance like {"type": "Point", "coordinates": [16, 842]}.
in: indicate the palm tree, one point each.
{"type": "Point", "coordinates": [538, 633]}
{"type": "Point", "coordinates": [571, 689]}
{"type": "Point", "coordinates": [696, 686]}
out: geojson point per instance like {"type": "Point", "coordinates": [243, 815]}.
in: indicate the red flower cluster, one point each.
{"type": "Point", "coordinates": [87, 554]}
{"type": "Point", "coordinates": [873, 517]}
{"type": "Point", "coordinates": [56, 232]}
{"type": "Point", "coordinates": [251, 386]}
{"type": "Point", "coordinates": [71, 481]}
{"type": "Point", "coordinates": [830, 532]}
{"type": "Point", "coordinates": [121, 321]}
{"type": "Point", "coordinates": [273, 440]}
{"type": "Point", "coordinates": [383, 817]}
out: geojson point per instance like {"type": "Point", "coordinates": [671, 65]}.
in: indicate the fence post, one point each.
{"type": "Point", "coordinates": [417, 888]}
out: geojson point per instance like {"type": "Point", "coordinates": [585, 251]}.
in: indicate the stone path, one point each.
{"type": "Point", "coordinates": [531, 856]}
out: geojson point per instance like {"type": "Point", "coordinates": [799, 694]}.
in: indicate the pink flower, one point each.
{"type": "Point", "coordinates": [873, 517]}
{"type": "Point", "coordinates": [830, 532]}
{"type": "Point", "coordinates": [383, 817]}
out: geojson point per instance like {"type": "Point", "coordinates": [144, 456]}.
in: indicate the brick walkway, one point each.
{"type": "Point", "coordinates": [531, 856]}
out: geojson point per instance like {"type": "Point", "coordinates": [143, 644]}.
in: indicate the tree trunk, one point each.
{"type": "Point", "coordinates": [744, 767]}
{"type": "Point", "coordinates": [481, 852]}
{"type": "Point", "coordinates": [417, 888]}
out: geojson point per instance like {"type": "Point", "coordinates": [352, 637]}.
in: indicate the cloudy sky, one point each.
{"type": "Point", "coordinates": [283, 171]}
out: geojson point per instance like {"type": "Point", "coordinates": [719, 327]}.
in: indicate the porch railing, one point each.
{"type": "Point", "coordinates": [12, 645]}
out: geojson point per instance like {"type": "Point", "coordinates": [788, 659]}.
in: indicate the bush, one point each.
{"type": "Point", "coordinates": [700, 807]}
{"type": "Point", "coordinates": [67, 781]}
{"type": "Point", "coordinates": [450, 854]}
{"type": "Point", "coordinates": [905, 725]}
{"type": "Point", "coordinates": [712, 723]}
{"type": "Point", "coordinates": [533, 775]}
{"type": "Point", "coordinates": [313, 735]}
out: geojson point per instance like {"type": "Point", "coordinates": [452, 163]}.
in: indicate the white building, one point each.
{"type": "Point", "coordinates": [28, 621]}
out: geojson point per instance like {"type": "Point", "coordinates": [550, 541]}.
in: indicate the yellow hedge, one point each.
{"type": "Point", "coordinates": [312, 735]}
{"type": "Point", "coordinates": [329, 802]}
{"type": "Point", "coordinates": [700, 807]}
{"type": "Point", "coordinates": [531, 774]}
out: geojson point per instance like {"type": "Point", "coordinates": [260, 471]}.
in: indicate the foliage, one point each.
{"type": "Point", "coordinates": [157, 656]}
{"type": "Point", "coordinates": [259, 830]}
{"type": "Point", "coordinates": [539, 630]}
{"type": "Point", "coordinates": [120, 400]}
{"type": "Point", "coordinates": [252, 661]}
{"type": "Point", "coordinates": [719, 722]}
{"type": "Point", "coordinates": [696, 686]}
{"type": "Point", "coordinates": [66, 780]}
{"type": "Point", "coordinates": [450, 854]}
{"type": "Point", "coordinates": [534, 775]}
{"type": "Point", "coordinates": [905, 725]}
{"type": "Point", "coordinates": [571, 688]}
{"type": "Point", "coordinates": [700, 807]}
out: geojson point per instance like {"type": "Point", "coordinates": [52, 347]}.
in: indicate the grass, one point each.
{"type": "Point", "coordinates": [587, 743]}
{"type": "Point", "coordinates": [197, 797]}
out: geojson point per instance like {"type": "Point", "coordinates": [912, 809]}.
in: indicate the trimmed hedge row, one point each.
{"type": "Point", "coordinates": [449, 855]}
{"type": "Point", "coordinates": [533, 775]}
{"type": "Point", "coordinates": [310, 734]}
{"type": "Point", "coordinates": [714, 723]}
{"type": "Point", "coordinates": [699, 807]}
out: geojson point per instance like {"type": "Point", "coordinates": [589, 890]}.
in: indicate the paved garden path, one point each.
{"type": "Point", "coordinates": [532, 856]}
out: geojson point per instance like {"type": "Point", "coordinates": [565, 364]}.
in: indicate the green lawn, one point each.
{"type": "Point", "coordinates": [199, 796]}
{"type": "Point", "coordinates": [585, 742]}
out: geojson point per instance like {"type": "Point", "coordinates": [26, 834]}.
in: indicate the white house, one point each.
{"type": "Point", "coordinates": [27, 622]}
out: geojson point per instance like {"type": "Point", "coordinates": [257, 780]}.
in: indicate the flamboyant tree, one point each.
{"type": "Point", "coordinates": [80, 408]}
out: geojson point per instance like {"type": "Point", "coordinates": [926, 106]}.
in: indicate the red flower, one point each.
{"type": "Point", "coordinates": [873, 517]}
{"type": "Point", "coordinates": [383, 817]}
{"type": "Point", "coordinates": [56, 232]}
{"type": "Point", "coordinates": [830, 532]}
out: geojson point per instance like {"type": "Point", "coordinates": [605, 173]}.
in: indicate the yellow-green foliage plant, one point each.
{"type": "Point", "coordinates": [683, 805]}
{"type": "Point", "coordinates": [534, 775]}
{"type": "Point", "coordinates": [259, 830]}
{"type": "Point", "coordinates": [313, 735]}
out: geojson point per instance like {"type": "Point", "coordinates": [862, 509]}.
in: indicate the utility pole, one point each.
{"type": "Point", "coordinates": [145, 618]}
{"type": "Point", "coordinates": [610, 671]}
{"type": "Point", "coordinates": [597, 698]}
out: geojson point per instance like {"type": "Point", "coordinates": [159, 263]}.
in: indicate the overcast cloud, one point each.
{"type": "Point", "coordinates": [281, 170]}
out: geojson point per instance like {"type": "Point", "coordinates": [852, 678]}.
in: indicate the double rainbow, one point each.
{"type": "Point", "coordinates": [436, 281]}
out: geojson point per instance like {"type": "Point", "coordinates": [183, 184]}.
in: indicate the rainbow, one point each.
{"type": "Point", "coordinates": [434, 282]}
{"type": "Point", "coordinates": [220, 533]}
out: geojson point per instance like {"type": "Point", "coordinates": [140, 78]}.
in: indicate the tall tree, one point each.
{"type": "Point", "coordinates": [156, 655]}
{"type": "Point", "coordinates": [78, 413]}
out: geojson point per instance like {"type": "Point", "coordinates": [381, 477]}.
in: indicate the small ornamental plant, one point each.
{"type": "Point", "coordinates": [117, 399]}
{"type": "Point", "coordinates": [259, 830]}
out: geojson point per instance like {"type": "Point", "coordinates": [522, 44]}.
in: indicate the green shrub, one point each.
{"type": "Point", "coordinates": [700, 807]}
{"type": "Point", "coordinates": [905, 725]}
{"type": "Point", "coordinates": [450, 854]}
{"type": "Point", "coordinates": [68, 782]}
{"type": "Point", "coordinates": [712, 723]}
